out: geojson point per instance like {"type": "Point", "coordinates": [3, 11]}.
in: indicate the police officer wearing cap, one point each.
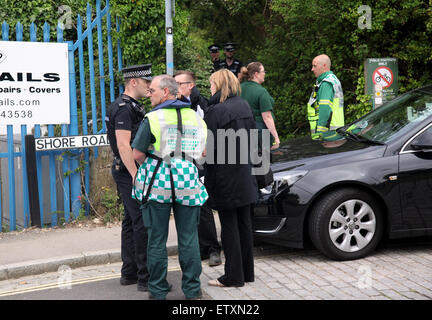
{"type": "Point", "coordinates": [230, 63]}
{"type": "Point", "coordinates": [123, 119]}
{"type": "Point", "coordinates": [214, 54]}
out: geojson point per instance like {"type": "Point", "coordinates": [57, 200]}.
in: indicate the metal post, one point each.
{"type": "Point", "coordinates": [30, 161]}
{"type": "Point", "coordinates": [169, 36]}
{"type": "Point", "coordinates": [75, 177]}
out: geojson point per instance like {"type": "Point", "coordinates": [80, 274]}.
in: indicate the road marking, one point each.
{"type": "Point", "coordinates": [73, 282]}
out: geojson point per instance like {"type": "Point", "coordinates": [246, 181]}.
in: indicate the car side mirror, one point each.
{"type": "Point", "coordinates": [423, 142]}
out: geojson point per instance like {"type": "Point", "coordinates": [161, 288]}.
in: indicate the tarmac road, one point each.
{"type": "Point", "coordinates": [104, 287]}
{"type": "Point", "coordinates": [398, 270]}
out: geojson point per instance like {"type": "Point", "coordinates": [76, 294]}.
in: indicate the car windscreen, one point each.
{"type": "Point", "coordinates": [395, 117]}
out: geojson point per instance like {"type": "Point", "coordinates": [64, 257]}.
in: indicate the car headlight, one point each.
{"type": "Point", "coordinates": [287, 178]}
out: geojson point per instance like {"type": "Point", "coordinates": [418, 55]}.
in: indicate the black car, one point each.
{"type": "Point", "coordinates": [344, 195]}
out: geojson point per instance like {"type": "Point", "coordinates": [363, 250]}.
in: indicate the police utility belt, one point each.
{"type": "Point", "coordinates": [119, 165]}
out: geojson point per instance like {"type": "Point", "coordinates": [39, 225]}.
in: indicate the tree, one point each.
{"type": "Point", "coordinates": [297, 33]}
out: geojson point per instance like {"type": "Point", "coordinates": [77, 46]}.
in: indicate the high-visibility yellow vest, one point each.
{"type": "Point", "coordinates": [337, 117]}
{"type": "Point", "coordinates": [166, 176]}
{"type": "Point", "coordinates": [163, 125]}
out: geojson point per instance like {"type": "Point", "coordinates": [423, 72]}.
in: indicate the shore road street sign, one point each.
{"type": "Point", "coordinates": [71, 142]}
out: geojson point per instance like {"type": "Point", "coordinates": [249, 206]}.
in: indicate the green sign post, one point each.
{"type": "Point", "coordinates": [381, 79]}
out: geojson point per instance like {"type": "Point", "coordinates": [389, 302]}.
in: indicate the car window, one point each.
{"type": "Point", "coordinates": [427, 132]}
{"type": "Point", "coordinates": [395, 117]}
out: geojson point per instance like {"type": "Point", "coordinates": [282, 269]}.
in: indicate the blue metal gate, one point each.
{"type": "Point", "coordinates": [75, 178]}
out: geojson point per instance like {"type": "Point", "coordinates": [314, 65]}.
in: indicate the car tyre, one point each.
{"type": "Point", "coordinates": [346, 224]}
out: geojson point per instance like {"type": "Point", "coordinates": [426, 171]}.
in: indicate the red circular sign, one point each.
{"type": "Point", "coordinates": [383, 76]}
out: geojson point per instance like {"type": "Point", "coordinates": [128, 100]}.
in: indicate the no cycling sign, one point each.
{"type": "Point", "coordinates": [382, 73]}
{"type": "Point", "coordinates": [383, 76]}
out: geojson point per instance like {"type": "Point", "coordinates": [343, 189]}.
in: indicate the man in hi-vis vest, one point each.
{"type": "Point", "coordinates": [325, 107]}
{"type": "Point", "coordinates": [168, 179]}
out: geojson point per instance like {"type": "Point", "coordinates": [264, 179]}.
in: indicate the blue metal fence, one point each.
{"type": "Point", "coordinates": [74, 179]}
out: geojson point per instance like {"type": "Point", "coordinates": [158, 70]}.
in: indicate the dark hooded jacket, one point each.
{"type": "Point", "coordinates": [229, 185]}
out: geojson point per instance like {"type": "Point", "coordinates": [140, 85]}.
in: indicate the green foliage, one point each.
{"type": "Point", "coordinates": [111, 205]}
{"type": "Point", "coordinates": [82, 212]}
{"type": "Point", "coordinates": [296, 33]}
{"type": "Point", "coordinates": [142, 31]}
{"type": "Point", "coordinates": [220, 21]}
{"type": "Point", "coordinates": [194, 57]}
{"type": "Point", "coordinates": [364, 102]}
{"type": "Point", "coordinates": [39, 12]}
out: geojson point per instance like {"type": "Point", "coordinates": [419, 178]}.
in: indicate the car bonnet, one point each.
{"type": "Point", "coordinates": [305, 151]}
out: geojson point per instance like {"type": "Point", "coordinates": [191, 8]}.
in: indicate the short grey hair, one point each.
{"type": "Point", "coordinates": [167, 81]}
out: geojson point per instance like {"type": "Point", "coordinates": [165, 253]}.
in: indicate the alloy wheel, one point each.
{"type": "Point", "coordinates": [352, 225]}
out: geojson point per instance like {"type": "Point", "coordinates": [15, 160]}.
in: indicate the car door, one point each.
{"type": "Point", "coordinates": [415, 180]}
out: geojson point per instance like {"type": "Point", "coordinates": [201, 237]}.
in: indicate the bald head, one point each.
{"type": "Point", "coordinates": [320, 64]}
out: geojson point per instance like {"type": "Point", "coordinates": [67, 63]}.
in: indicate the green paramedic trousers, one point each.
{"type": "Point", "coordinates": [156, 219]}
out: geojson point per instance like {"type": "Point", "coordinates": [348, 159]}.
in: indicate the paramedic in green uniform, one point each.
{"type": "Point", "coordinates": [251, 78]}
{"type": "Point", "coordinates": [168, 179]}
{"type": "Point", "coordinates": [325, 107]}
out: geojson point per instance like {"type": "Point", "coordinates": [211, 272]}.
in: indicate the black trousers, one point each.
{"type": "Point", "coordinates": [134, 236]}
{"type": "Point", "coordinates": [237, 243]}
{"type": "Point", "coordinates": [207, 235]}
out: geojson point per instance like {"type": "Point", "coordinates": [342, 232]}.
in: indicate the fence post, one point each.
{"type": "Point", "coordinates": [52, 173]}
{"type": "Point", "coordinates": [110, 55]}
{"type": "Point", "coordinates": [65, 161]}
{"type": "Point", "coordinates": [37, 133]}
{"type": "Point", "coordinates": [5, 36]}
{"type": "Point", "coordinates": [73, 128]}
{"type": "Point", "coordinates": [24, 168]}
{"type": "Point", "coordinates": [119, 55]}
{"type": "Point", "coordinates": [101, 64]}
{"type": "Point", "coordinates": [30, 161]}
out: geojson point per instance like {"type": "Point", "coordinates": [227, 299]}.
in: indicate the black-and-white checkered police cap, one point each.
{"type": "Point", "coordinates": [139, 71]}
{"type": "Point", "coordinates": [214, 48]}
{"type": "Point", "coordinates": [229, 46]}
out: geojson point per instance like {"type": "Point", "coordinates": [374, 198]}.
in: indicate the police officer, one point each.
{"type": "Point", "coordinates": [124, 117]}
{"type": "Point", "coordinates": [230, 63]}
{"type": "Point", "coordinates": [214, 54]}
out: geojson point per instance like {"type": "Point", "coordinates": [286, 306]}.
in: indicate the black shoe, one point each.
{"type": "Point", "coordinates": [204, 257]}
{"type": "Point", "coordinates": [142, 287]}
{"type": "Point", "coordinates": [215, 259]}
{"type": "Point", "coordinates": [197, 297]}
{"type": "Point", "coordinates": [127, 281]}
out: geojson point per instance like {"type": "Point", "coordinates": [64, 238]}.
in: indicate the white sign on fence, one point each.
{"type": "Point", "coordinates": [71, 142]}
{"type": "Point", "coordinates": [34, 83]}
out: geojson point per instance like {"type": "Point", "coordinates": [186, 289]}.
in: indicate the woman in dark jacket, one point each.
{"type": "Point", "coordinates": [231, 186]}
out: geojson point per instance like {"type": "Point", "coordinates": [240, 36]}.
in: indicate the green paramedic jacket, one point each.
{"type": "Point", "coordinates": [325, 107]}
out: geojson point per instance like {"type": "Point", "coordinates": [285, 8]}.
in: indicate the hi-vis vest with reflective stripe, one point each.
{"type": "Point", "coordinates": [163, 125]}
{"type": "Point", "coordinates": [337, 117]}
{"type": "Point", "coordinates": [172, 177]}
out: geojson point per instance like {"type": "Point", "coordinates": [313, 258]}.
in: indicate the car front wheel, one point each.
{"type": "Point", "coordinates": [346, 224]}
